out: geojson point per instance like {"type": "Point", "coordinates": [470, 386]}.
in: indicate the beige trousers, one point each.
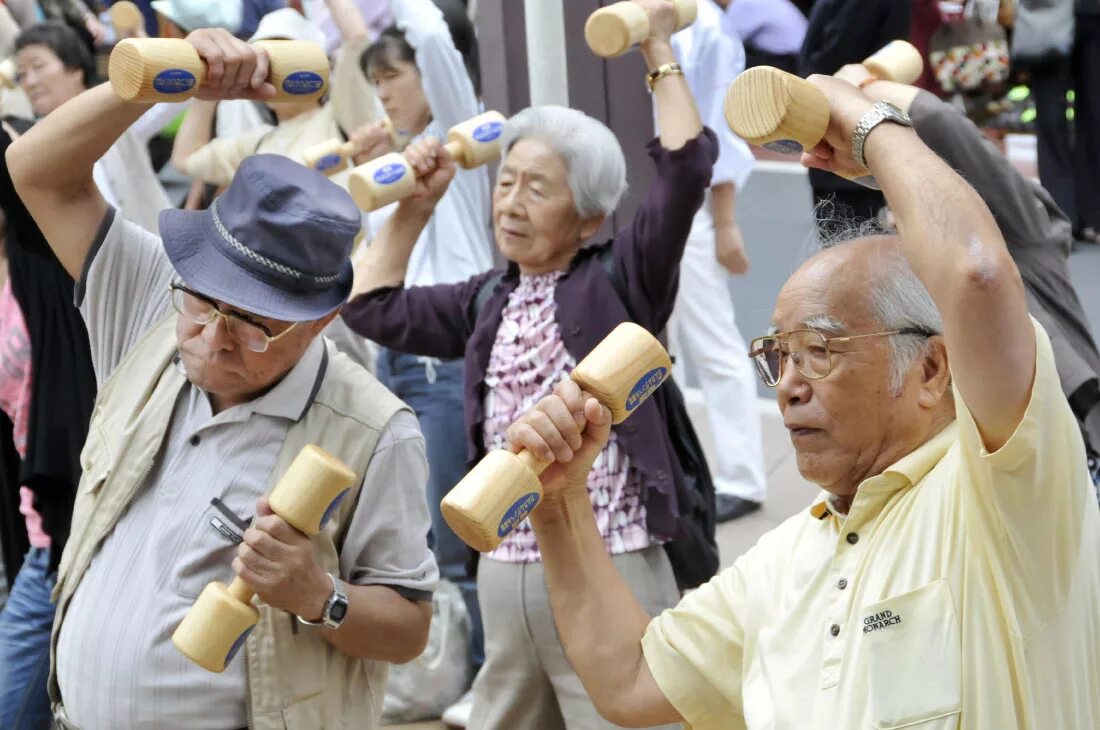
{"type": "Point", "coordinates": [527, 682]}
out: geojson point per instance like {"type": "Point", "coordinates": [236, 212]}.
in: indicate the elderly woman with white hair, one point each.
{"type": "Point", "coordinates": [524, 328]}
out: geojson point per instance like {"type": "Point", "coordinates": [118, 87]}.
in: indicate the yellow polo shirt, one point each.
{"type": "Point", "coordinates": [962, 590]}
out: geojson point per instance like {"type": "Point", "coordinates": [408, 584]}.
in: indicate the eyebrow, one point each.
{"type": "Point", "coordinates": [824, 323]}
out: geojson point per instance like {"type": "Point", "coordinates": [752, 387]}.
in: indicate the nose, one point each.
{"type": "Point", "coordinates": [792, 387]}
{"type": "Point", "coordinates": [508, 202]}
{"type": "Point", "coordinates": [217, 337]}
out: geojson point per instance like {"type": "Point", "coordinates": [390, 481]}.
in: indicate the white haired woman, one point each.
{"type": "Point", "coordinates": [523, 329]}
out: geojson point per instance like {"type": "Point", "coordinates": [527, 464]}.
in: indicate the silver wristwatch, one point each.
{"type": "Point", "coordinates": [882, 111]}
{"type": "Point", "coordinates": [336, 608]}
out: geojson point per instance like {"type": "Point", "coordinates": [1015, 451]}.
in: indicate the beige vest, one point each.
{"type": "Point", "coordinates": [296, 679]}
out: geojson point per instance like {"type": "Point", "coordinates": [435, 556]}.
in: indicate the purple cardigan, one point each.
{"type": "Point", "coordinates": [439, 321]}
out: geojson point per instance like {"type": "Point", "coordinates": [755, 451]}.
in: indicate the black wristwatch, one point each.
{"type": "Point", "coordinates": [336, 608]}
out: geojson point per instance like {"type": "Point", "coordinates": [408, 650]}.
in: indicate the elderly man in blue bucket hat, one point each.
{"type": "Point", "coordinates": [212, 378]}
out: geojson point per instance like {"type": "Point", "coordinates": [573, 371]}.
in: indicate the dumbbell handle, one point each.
{"type": "Point", "coordinates": [240, 590]}
{"type": "Point", "coordinates": [613, 30]}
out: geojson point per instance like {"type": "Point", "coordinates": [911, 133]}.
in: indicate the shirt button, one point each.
{"type": "Point", "coordinates": [853, 538]}
{"type": "Point", "coordinates": [842, 583]}
{"type": "Point", "coordinates": [834, 630]}
{"type": "Point", "coordinates": [194, 440]}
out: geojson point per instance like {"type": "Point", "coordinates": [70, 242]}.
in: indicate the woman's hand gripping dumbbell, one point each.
{"type": "Point", "coordinates": [212, 64]}
{"type": "Point", "coordinates": [613, 30]}
{"type": "Point", "coordinates": [391, 178]}
{"type": "Point", "coordinates": [621, 373]}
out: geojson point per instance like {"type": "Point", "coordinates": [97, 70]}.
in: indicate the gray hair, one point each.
{"type": "Point", "coordinates": [591, 154]}
{"type": "Point", "coordinates": [897, 299]}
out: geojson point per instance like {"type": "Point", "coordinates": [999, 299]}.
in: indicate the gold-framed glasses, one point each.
{"type": "Point", "coordinates": [202, 310]}
{"type": "Point", "coordinates": [809, 350]}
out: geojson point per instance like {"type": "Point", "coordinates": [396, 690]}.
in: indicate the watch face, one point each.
{"type": "Point", "coordinates": [338, 611]}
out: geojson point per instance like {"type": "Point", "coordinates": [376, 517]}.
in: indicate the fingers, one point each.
{"type": "Point", "coordinates": [425, 155]}
{"type": "Point", "coordinates": [539, 433]}
{"type": "Point", "coordinates": [568, 390]}
{"type": "Point", "coordinates": [277, 527]}
{"type": "Point", "coordinates": [234, 69]}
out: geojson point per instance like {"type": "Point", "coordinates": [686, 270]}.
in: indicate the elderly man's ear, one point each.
{"type": "Point", "coordinates": [935, 383]}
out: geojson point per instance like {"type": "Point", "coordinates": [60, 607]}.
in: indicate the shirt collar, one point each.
{"type": "Point", "coordinates": [911, 468]}
{"type": "Point", "coordinates": [294, 394]}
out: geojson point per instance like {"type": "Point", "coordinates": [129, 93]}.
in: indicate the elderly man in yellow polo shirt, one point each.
{"type": "Point", "coordinates": [949, 574]}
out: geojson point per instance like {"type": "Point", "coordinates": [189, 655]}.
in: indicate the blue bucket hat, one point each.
{"type": "Point", "coordinates": [277, 243]}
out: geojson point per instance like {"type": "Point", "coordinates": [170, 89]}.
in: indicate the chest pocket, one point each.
{"type": "Point", "coordinates": [914, 660]}
{"type": "Point", "coordinates": [212, 539]}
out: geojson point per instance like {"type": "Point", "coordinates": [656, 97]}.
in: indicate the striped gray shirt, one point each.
{"type": "Point", "coordinates": [116, 666]}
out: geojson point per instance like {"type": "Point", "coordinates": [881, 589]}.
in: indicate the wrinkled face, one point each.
{"type": "Point", "coordinates": [848, 425]}
{"type": "Point", "coordinates": [231, 373]}
{"type": "Point", "coordinates": [45, 80]}
{"type": "Point", "coordinates": [535, 220]}
{"type": "Point", "coordinates": [402, 95]}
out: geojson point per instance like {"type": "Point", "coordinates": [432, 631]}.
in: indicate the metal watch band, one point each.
{"type": "Point", "coordinates": [882, 111]}
{"type": "Point", "coordinates": [337, 596]}
{"type": "Point", "coordinates": [665, 69]}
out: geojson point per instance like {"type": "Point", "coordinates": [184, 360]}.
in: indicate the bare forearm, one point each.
{"type": "Point", "coordinates": [349, 21]}
{"type": "Point", "coordinates": [381, 624]}
{"type": "Point", "coordinates": [723, 204]}
{"type": "Point", "coordinates": [387, 258]}
{"type": "Point", "coordinates": [599, 620]}
{"type": "Point", "coordinates": [677, 115]}
{"type": "Point", "coordinates": [59, 152]}
{"type": "Point", "coordinates": [193, 133]}
{"type": "Point", "coordinates": [955, 247]}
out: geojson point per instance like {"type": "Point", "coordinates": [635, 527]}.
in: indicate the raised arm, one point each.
{"type": "Point", "coordinates": [443, 75]}
{"type": "Point", "coordinates": [956, 249]}
{"type": "Point", "coordinates": [195, 132]}
{"type": "Point", "coordinates": [51, 165]}
{"type": "Point", "coordinates": [348, 20]}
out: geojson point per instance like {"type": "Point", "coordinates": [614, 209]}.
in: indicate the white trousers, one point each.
{"type": "Point", "coordinates": [703, 329]}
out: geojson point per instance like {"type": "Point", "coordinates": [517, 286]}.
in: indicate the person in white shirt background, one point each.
{"type": "Point", "coordinates": [703, 326]}
{"type": "Point", "coordinates": [425, 72]}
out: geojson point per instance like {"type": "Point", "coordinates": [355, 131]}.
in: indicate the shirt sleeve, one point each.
{"type": "Point", "coordinates": [387, 541]}
{"type": "Point", "coordinates": [351, 94]}
{"type": "Point", "coordinates": [123, 291]}
{"type": "Point", "coordinates": [443, 74]}
{"type": "Point", "coordinates": [695, 651]}
{"type": "Point", "coordinates": [648, 250]}
{"type": "Point", "coordinates": [720, 60]}
{"type": "Point", "coordinates": [1033, 494]}
{"type": "Point", "coordinates": [216, 162]}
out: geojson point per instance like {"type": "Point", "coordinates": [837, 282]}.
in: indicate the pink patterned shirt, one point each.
{"type": "Point", "coordinates": [527, 360]}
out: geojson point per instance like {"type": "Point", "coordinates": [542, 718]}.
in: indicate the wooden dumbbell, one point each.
{"type": "Point", "coordinates": [169, 69]}
{"type": "Point", "coordinates": [126, 18]}
{"type": "Point", "coordinates": [332, 156]}
{"type": "Point", "coordinates": [9, 73]}
{"type": "Point", "coordinates": [784, 113]}
{"type": "Point", "coordinates": [614, 30]}
{"type": "Point", "coordinates": [498, 494]}
{"type": "Point", "coordinates": [219, 622]}
{"type": "Point", "coordinates": [390, 178]}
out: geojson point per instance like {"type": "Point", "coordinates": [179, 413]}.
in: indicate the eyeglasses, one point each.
{"type": "Point", "coordinates": [203, 310]}
{"type": "Point", "coordinates": [808, 349]}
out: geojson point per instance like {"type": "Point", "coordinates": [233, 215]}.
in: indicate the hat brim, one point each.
{"type": "Point", "coordinates": [192, 244]}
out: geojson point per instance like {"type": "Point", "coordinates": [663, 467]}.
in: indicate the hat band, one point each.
{"type": "Point", "coordinates": [260, 258]}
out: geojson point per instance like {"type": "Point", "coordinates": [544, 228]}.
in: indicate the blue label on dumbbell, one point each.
{"type": "Point", "coordinates": [389, 174]}
{"type": "Point", "coordinates": [237, 645]}
{"type": "Point", "coordinates": [301, 83]}
{"type": "Point", "coordinates": [645, 387]}
{"type": "Point", "coordinates": [785, 146]}
{"type": "Point", "coordinates": [487, 132]}
{"type": "Point", "coordinates": [517, 513]}
{"type": "Point", "coordinates": [332, 507]}
{"type": "Point", "coordinates": [174, 81]}
{"type": "Point", "coordinates": [327, 161]}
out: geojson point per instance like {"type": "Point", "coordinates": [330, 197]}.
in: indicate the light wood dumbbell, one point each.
{"type": "Point", "coordinates": [170, 69]}
{"type": "Point", "coordinates": [781, 112]}
{"type": "Point", "coordinates": [126, 18]}
{"type": "Point", "coordinates": [498, 494]}
{"type": "Point", "coordinates": [390, 177]}
{"type": "Point", "coordinates": [9, 73]}
{"type": "Point", "coordinates": [219, 622]}
{"type": "Point", "coordinates": [332, 156]}
{"type": "Point", "coordinates": [614, 30]}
